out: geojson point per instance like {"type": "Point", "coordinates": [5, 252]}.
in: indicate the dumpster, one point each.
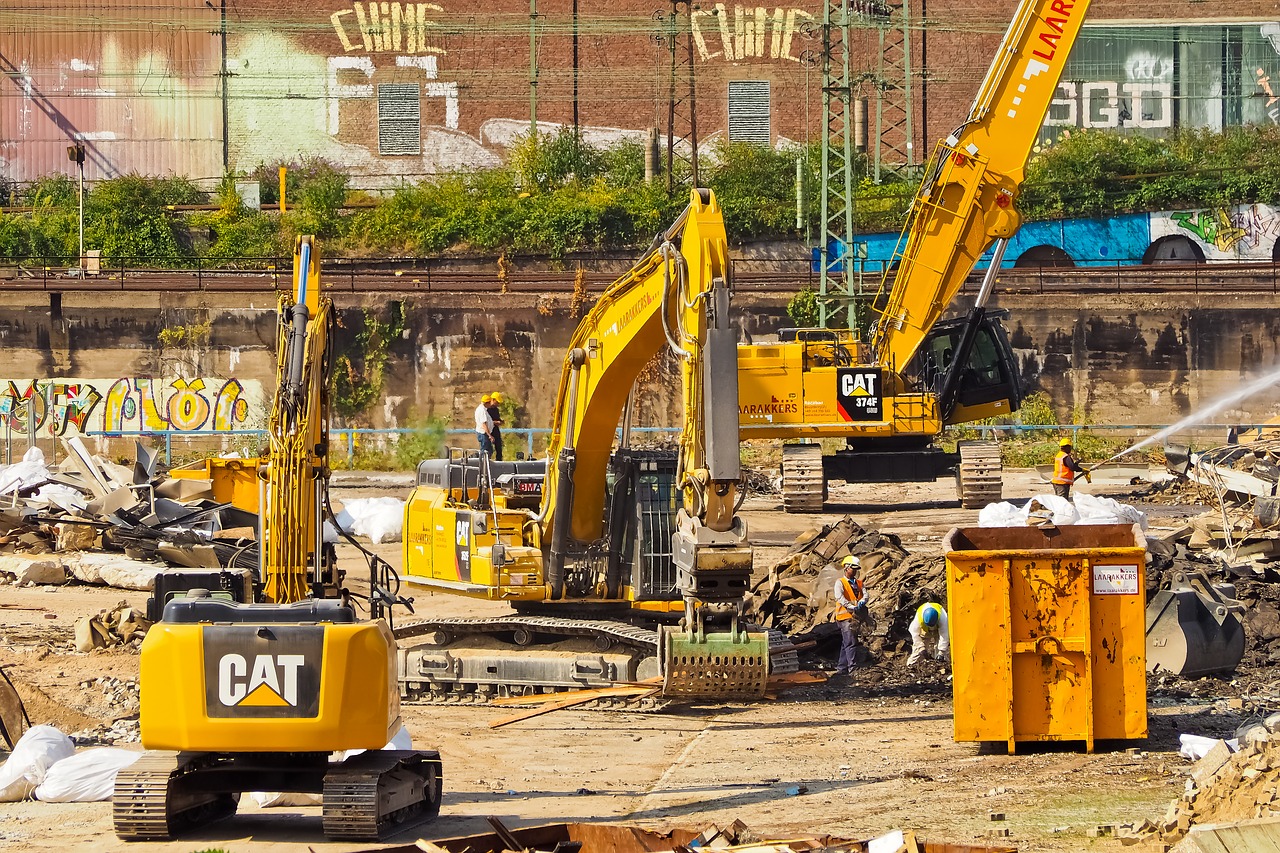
{"type": "Point", "coordinates": [1047, 633]}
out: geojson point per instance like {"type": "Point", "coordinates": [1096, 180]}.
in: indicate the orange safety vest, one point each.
{"type": "Point", "coordinates": [1062, 475]}
{"type": "Point", "coordinates": [843, 613]}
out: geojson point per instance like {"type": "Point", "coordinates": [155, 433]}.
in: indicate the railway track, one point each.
{"type": "Point", "coordinates": [783, 279]}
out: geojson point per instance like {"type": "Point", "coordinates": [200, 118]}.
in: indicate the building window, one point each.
{"type": "Point", "coordinates": [749, 111]}
{"type": "Point", "coordinates": [399, 118]}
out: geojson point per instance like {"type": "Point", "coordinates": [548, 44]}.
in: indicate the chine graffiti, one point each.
{"type": "Point", "coordinates": [749, 33]}
{"type": "Point", "coordinates": [1225, 230]}
{"type": "Point", "coordinates": [143, 404]}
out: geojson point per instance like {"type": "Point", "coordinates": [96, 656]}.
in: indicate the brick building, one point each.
{"type": "Point", "coordinates": [400, 89]}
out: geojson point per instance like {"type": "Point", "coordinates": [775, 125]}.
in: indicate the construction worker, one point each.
{"type": "Point", "coordinates": [851, 611]}
{"type": "Point", "coordinates": [484, 425]}
{"type": "Point", "coordinates": [495, 414]}
{"type": "Point", "coordinates": [928, 632]}
{"type": "Point", "coordinates": [1065, 469]}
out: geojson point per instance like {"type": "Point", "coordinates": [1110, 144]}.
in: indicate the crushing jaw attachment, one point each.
{"type": "Point", "coordinates": [713, 572]}
{"type": "Point", "coordinates": [1177, 459]}
{"type": "Point", "coordinates": [1193, 627]}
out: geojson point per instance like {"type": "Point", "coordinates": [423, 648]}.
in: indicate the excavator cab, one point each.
{"type": "Point", "coordinates": [989, 376]}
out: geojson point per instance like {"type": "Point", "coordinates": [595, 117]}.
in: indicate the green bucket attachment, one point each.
{"type": "Point", "coordinates": [722, 665]}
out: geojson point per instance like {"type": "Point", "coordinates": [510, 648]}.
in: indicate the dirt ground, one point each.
{"type": "Point", "coordinates": [852, 761]}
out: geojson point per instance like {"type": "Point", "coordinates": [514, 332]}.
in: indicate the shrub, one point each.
{"type": "Point", "coordinates": [427, 441]}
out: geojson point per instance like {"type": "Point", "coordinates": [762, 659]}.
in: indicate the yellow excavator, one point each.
{"type": "Point", "coordinates": [890, 395]}
{"type": "Point", "coordinates": [247, 695]}
{"type": "Point", "coordinates": [597, 542]}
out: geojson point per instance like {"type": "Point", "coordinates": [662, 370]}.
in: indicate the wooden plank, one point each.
{"type": "Point", "coordinates": [622, 690]}
{"type": "Point", "coordinates": [581, 697]}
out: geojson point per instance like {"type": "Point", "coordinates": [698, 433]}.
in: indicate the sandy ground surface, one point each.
{"type": "Point", "coordinates": [852, 761]}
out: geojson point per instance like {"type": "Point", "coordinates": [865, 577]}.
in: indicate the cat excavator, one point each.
{"type": "Point", "coordinates": [597, 543]}
{"type": "Point", "coordinates": [252, 691]}
{"type": "Point", "coordinates": [890, 394]}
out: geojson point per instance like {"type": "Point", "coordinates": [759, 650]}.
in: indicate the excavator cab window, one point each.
{"type": "Point", "coordinates": [990, 372]}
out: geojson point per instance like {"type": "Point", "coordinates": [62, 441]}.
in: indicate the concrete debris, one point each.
{"type": "Point", "coordinates": [620, 838]}
{"type": "Point", "coordinates": [1244, 786]}
{"type": "Point", "coordinates": [121, 625]}
{"type": "Point", "coordinates": [123, 730]}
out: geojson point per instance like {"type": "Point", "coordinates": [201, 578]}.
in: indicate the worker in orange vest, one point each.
{"type": "Point", "coordinates": [1065, 469]}
{"type": "Point", "coordinates": [851, 612]}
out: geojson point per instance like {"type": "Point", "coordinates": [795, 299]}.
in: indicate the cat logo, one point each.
{"type": "Point", "coordinates": [273, 680]}
{"type": "Point", "coordinates": [859, 394]}
{"type": "Point", "coordinates": [263, 671]}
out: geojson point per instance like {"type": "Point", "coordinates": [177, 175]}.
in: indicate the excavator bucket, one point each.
{"type": "Point", "coordinates": [722, 665]}
{"type": "Point", "coordinates": [1193, 627]}
{"type": "Point", "coordinates": [1177, 459]}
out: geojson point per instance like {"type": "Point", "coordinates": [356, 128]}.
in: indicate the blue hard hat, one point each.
{"type": "Point", "coordinates": [929, 616]}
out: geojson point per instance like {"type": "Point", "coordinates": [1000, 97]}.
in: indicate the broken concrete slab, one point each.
{"type": "Point", "coordinates": [40, 570]}
{"type": "Point", "coordinates": [1212, 761]}
{"type": "Point", "coordinates": [113, 570]}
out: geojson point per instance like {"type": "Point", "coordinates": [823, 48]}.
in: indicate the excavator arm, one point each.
{"type": "Point", "coordinates": [295, 472]}
{"type": "Point", "coordinates": [676, 297]}
{"type": "Point", "coordinates": [967, 200]}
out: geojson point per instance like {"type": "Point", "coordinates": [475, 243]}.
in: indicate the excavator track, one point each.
{"type": "Point", "coordinates": [438, 672]}
{"type": "Point", "coordinates": [804, 485]}
{"type": "Point", "coordinates": [152, 799]}
{"type": "Point", "coordinates": [979, 474]}
{"type": "Point", "coordinates": [379, 791]}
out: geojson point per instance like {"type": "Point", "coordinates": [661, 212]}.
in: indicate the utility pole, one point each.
{"type": "Point", "coordinates": [224, 76]}
{"type": "Point", "coordinates": [577, 128]}
{"type": "Point", "coordinates": [533, 70]}
{"type": "Point", "coordinates": [75, 153]}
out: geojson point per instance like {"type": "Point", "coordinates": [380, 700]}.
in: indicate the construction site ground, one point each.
{"type": "Point", "coordinates": [853, 760]}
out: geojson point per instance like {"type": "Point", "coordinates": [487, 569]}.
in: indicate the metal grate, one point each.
{"type": "Point", "coordinates": [399, 118]}
{"type": "Point", "coordinates": [749, 111]}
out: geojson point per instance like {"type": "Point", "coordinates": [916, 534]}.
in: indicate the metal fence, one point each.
{"type": "Point", "coordinates": [368, 444]}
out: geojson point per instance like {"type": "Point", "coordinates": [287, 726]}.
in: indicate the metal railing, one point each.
{"type": "Point", "coordinates": [346, 436]}
{"type": "Point", "coordinates": [751, 275]}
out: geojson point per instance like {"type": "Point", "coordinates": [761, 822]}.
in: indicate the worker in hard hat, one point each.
{"type": "Point", "coordinates": [1066, 469]}
{"type": "Point", "coordinates": [484, 425]}
{"type": "Point", "coordinates": [495, 414]}
{"type": "Point", "coordinates": [851, 612]}
{"type": "Point", "coordinates": [928, 632]}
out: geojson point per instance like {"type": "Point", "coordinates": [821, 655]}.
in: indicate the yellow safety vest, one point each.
{"type": "Point", "coordinates": [1062, 475]}
{"type": "Point", "coordinates": [843, 614]}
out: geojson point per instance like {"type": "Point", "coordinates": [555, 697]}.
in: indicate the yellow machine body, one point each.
{"type": "Point", "coordinates": [892, 391]}
{"type": "Point", "coordinates": [1048, 633]}
{"type": "Point", "coordinates": [301, 688]}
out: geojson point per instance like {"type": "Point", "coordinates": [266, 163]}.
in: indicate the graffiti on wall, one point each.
{"type": "Point", "coordinates": [144, 404]}
{"type": "Point", "coordinates": [749, 32]}
{"type": "Point", "coordinates": [1243, 232]}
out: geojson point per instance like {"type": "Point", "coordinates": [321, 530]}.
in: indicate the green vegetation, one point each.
{"type": "Point", "coordinates": [557, 195]}
{"type": "Point", "coordinates": [359, 367]}
{"type": "Point", "coordinates": [427, 441]}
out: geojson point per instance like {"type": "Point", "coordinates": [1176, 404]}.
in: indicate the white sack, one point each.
{"type": "Point", "coordinates": [86, 777]}
{"type": "Point", "coordinates": [1197, 747]}
{"type": "Point", "coordinates": [380, 519]}
{"type": "Point", "coordinates": [1003, 514]}
{"type": "Point", "coordinates": [30, 471]}
{"type": "Point", "coordinates": [1094, 509]}
{"type": "Point", "coordinates": [34, 753]}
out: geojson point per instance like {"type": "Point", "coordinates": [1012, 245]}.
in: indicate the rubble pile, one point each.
{"type": "Point", "coordinates": [62, 523]}
{"type": "Point", "coordinates": [1226, 786]}
{"type": "Point", "coordinates": [796, 596]}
